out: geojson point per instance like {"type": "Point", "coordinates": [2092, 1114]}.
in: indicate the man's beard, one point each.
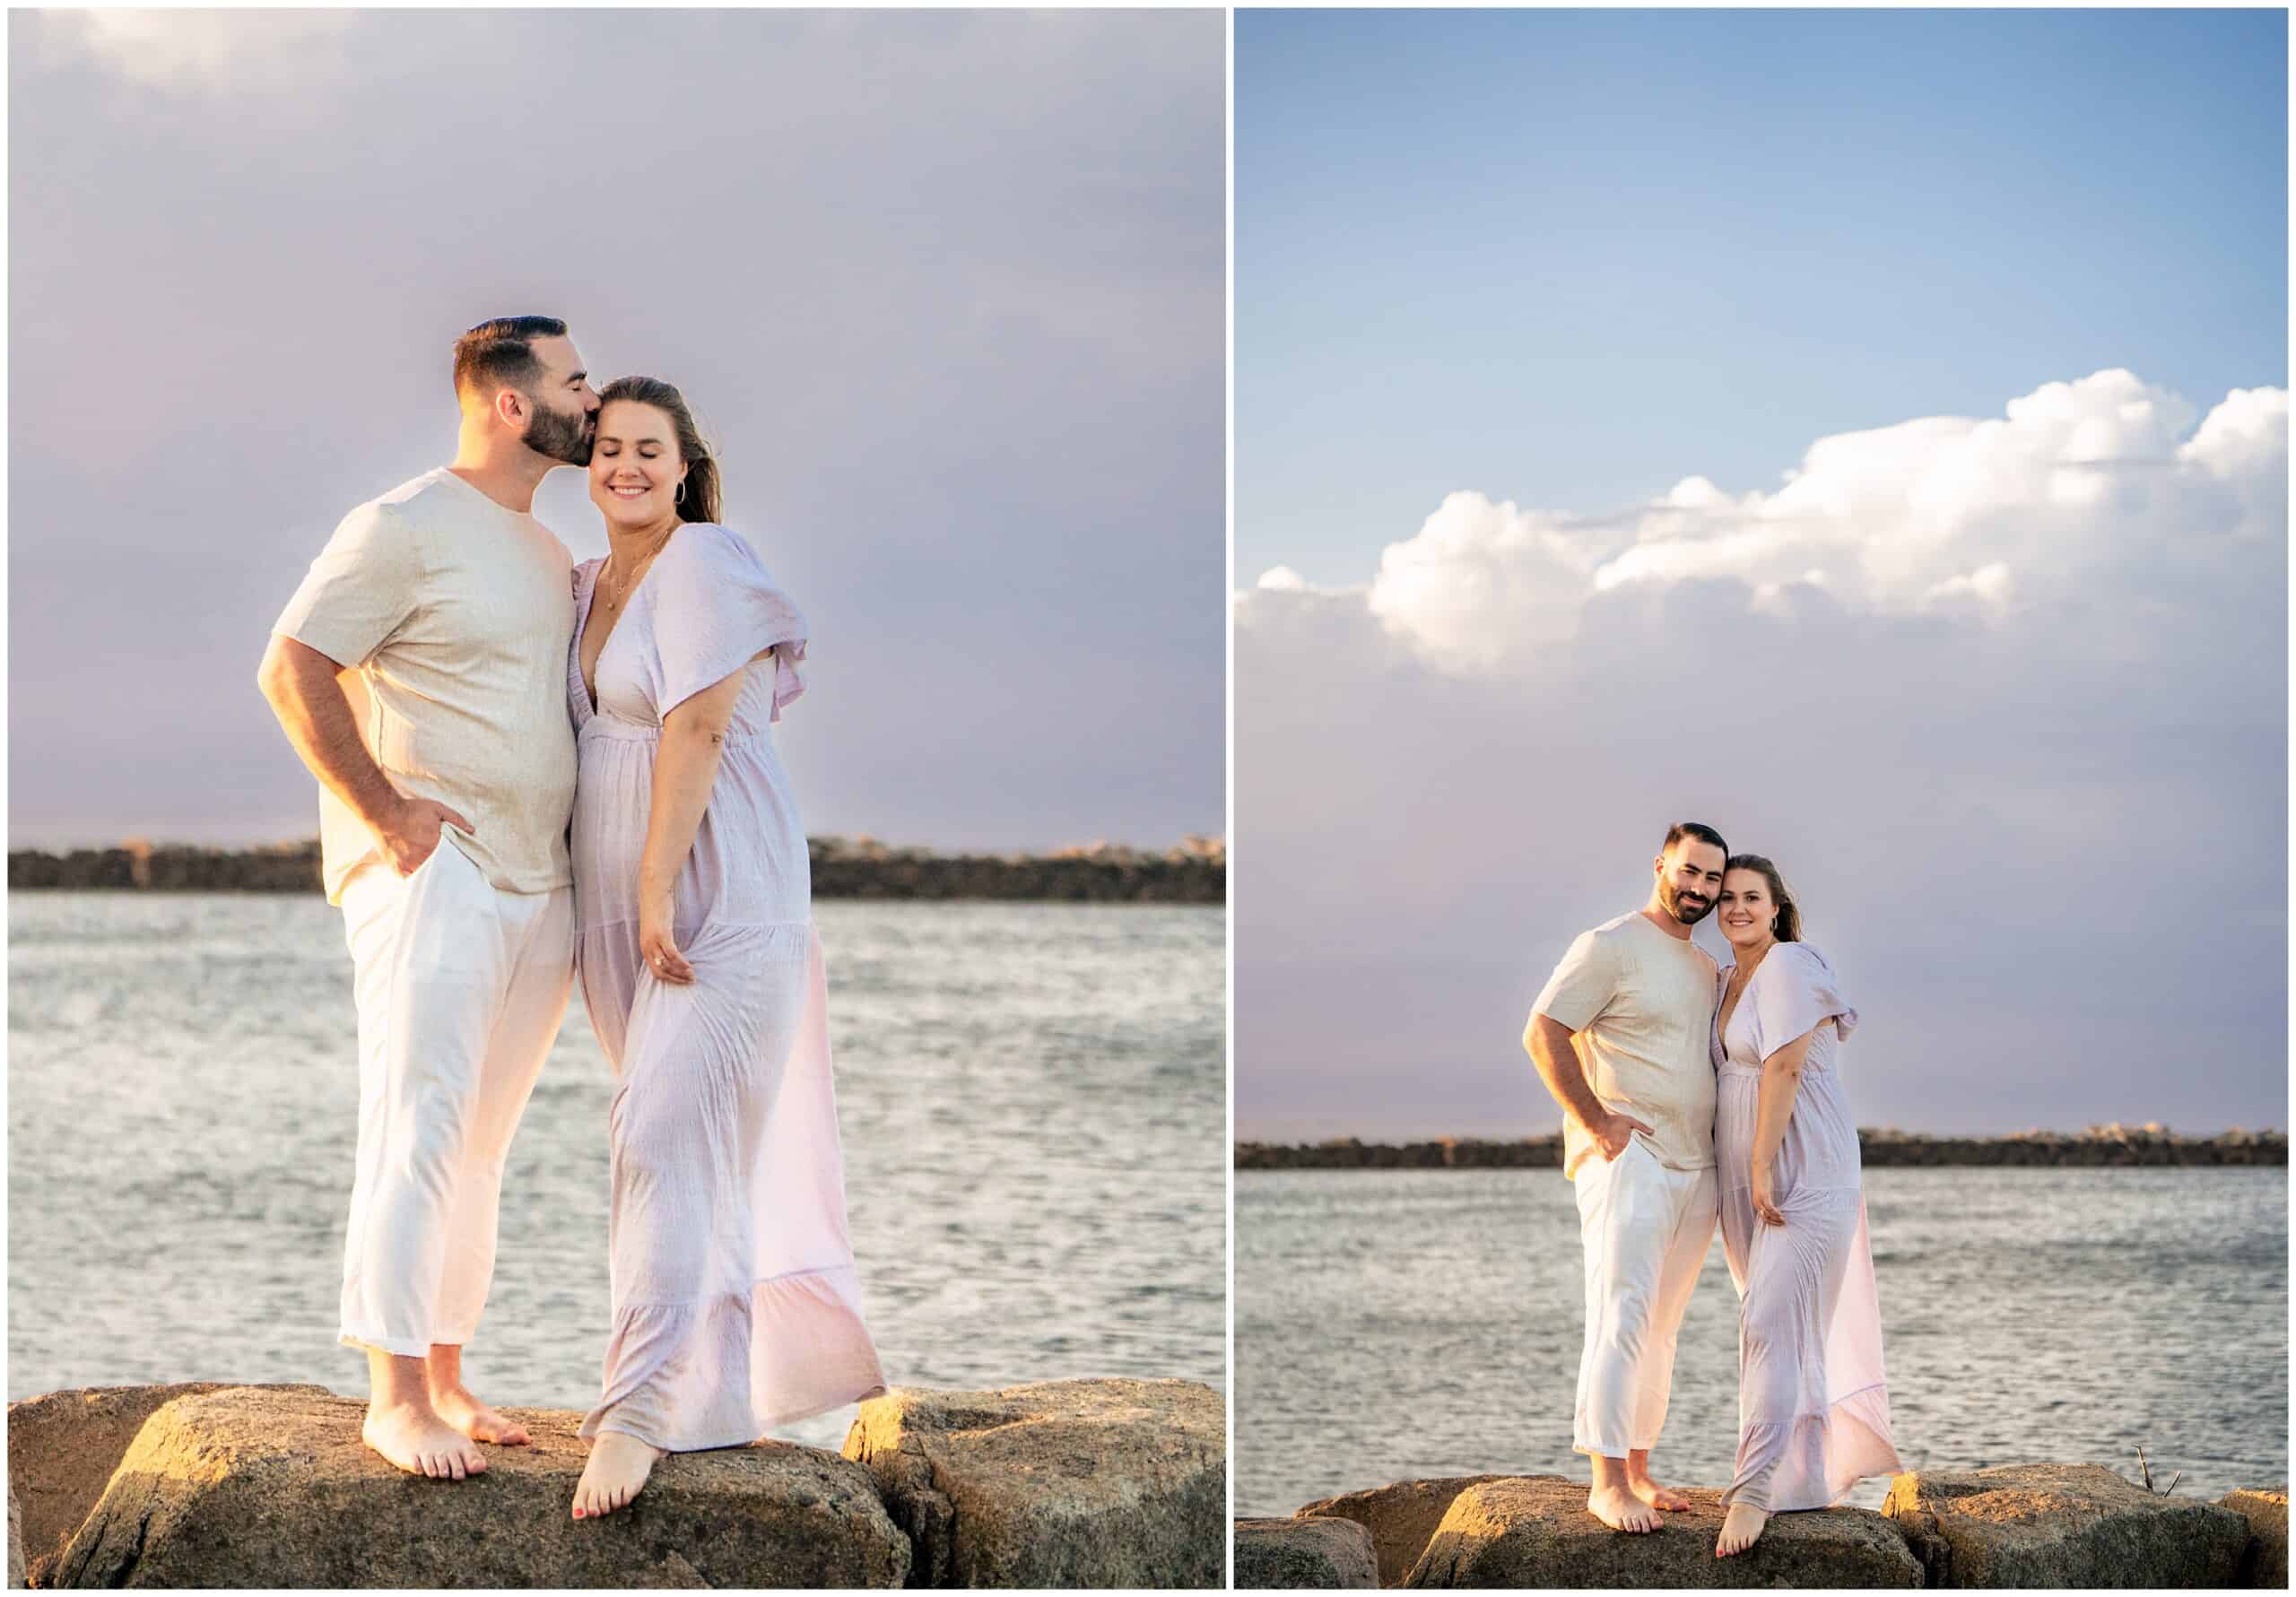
{"type": "Point", "coordinates": [560, 436]}
{"type": "Point", "coordinates": [1688, 915]}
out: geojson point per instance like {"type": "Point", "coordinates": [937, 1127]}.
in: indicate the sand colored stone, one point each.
{"type": "Point", "coordinates": [63, 1448]}
{"type": "Point", "coordinates": [1534, 1530]}
{"type": "Point", "coordinates": [268, 1486]}
{"type": "Point", "coordinates": [1060, 1483]}
{"type": "Point", "coordinates": [1292, 1554]}
{"type": "Point", "coordinates": [2062, 1525]}
{"type": "Point", "coordinates": [2266, 1566]}
{"type": "Point", "coordinates": [1401, 1518]}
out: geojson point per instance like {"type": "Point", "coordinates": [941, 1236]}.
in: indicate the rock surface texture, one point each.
{"type": "Point", "coordinates": [15, 1543]}
{"type": "Point", "coordinates": [271, 1487]}
{"type": "Point", "coordinates": [2265, 1566]}
{"type": "Point", "coordinates": [1060, 1483]}
{"type": "Point", "coordinates": [1402, 1517]}
{"type": "Point", "coordinates": [2062, 1525]}
{"type": "Point", "coordinates": [63, 1448]}
{"type": "Point", "coordinates": [1288, 1554]}
{"type": "Point", "coordinates": [1534, 1530]}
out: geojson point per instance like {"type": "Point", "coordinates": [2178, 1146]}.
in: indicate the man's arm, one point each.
{"type": "Point", "coordinates": [300, 683]}
{"type": "Point", "coordinates": [1548, 1042]}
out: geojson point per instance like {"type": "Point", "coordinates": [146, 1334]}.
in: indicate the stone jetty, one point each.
{"type": "Point", "coordinates": [2046, 1524]}
{"type": "Point", "coordinates": [1194, 871]}
{"type": "Point", "coordinates": [1106, 1482]}
{"type": "Point", "coordinates": [2101, 1146]}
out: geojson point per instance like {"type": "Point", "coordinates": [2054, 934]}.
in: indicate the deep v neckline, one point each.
{"type": "Point", "coordinates": [1727, 1010]}
{"type": "Point", "coordinates": [588, 679]}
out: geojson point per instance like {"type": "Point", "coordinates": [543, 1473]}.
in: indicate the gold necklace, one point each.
{"type": "Point", "coordinates": [620, 590]}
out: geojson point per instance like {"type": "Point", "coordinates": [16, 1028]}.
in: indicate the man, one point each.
{"type": "Point", "coordinates": [447, 778]}
{"type": "Point", "coordinates": [1620, 1037]}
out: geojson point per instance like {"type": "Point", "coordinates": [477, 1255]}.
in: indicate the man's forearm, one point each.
{"type": "Point", "coordinates": [1548, 1045]}
{"type": "Point", "coordinates": [300, 683]}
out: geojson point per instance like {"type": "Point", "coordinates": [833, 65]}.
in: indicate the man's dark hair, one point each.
{"type": "Point", "coordinates": [1693, 829]}
{"type": "Point", "coordinates": [501, 353]}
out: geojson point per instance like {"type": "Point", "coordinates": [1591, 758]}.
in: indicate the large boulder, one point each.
{"type": "Point", "coordinates": [2266, 1566]}
{"type": "Point", "coordinates": [256, 1487]}
{"type": "Point", "coordinates": [2062, 1525]}
{"type": "Point", "coordinates": [1288, 1554]}
{"type": "Point", "coordinates": [1535, 1530]}
{"type": "Point", "coordinates": [1061, 1483]}
{"type": "Point", "coordinates": [1401, 1518]}
{"type": "Point", "coordinates": [63, 1448]}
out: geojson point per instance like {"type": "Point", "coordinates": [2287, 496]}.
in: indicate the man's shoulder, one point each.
{"type": "Point", "coordinates": [1611, 930]}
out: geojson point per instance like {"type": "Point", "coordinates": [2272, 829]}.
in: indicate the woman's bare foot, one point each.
{"type": "Point", "coordinates": [1741, 1529]}
{"type": "Point", "coordinates": [418, 1441]}
{"type": "Point", "coordinates": [619, 1465]}
{"type": "Point", "coordinates": [475, 1420]}
{"type": "Point", "coordinates": [1622, 1510]}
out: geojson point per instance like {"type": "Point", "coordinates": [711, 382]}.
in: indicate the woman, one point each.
{"type": "Point", "coordinates": [735, 1304]}
{"type": "Point", "coordinates": [1813, 1414]}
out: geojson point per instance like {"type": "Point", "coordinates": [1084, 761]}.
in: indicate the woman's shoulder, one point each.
{"type": "Point", "coordinates": [712, 543]}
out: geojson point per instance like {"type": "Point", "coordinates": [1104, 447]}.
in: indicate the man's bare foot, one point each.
{"type": "Point", "coordinates": [475, 1420]}
{"type": "Point", "coordinates": [419, 1442]}
{"type": "Point", "coordinates": [619, 1465]}
{"type": "Point", "coordinates": [1741, 1529]}
{"type": "Point", "coordinates": [1651, 1494]}
{"type": "Point", "coordinates": [1622, 1510]}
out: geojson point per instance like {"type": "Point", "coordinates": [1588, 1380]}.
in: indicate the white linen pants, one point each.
{"type": "Point", "coordinates": [460, 989]}
{"type": "Point", "coordinates": [1646, 1229]}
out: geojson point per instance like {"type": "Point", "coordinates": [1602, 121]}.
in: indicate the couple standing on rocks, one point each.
{"type": "Point", "coordinates": [522, 760]}
{"type": "Point", "coordinates": [1693, 1091]}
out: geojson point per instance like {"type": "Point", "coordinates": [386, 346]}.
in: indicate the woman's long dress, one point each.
{"type": "Point", "coordinates": [735, 1304]}
{"type": "Point", "coordinates": [1813, 1409]}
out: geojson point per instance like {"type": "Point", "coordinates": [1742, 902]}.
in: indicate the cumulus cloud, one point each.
{"type": "Point", "coordinates": [2072, 483]}
{"type": "Point", "coordinates": [2005, 695]}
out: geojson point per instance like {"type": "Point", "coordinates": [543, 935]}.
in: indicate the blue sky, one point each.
{"type": "Point", "coordinates": [1864, 433]}
{"type": "Point", "coordinates": [1570, 256]}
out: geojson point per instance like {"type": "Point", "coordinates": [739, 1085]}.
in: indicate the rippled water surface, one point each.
{"type": "Point", "coordinates": [1032, 1099]}
{"type": "Point", "coordinates": [1394, 1324]}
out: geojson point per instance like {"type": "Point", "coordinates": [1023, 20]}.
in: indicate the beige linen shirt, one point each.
{"type": "Point", "coordinates": [1640, 1005]}
{"type": "Point", "coordinates": [455, 613]}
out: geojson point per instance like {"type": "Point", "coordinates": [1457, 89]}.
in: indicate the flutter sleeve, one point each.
{"type": "Point", "coordinates": [716, 609]}
{"type": "Point", "coordinates": [1794, 990]}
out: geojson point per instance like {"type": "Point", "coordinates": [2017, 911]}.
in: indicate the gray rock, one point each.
{"type": "Point", "coordinates": [268, 1486]}
{"type": "Point", "coordinates": [15, 1544]}
{"type": "Point", "coordinates": [2265, 1565]}
{"type": "Point", "coordinates": [1535, 1530]}
{"type": "Point", "coordinates": [1328, 1554]}
{"type": "Point", "coordinates": [63, 1448]}
{"type": "Point", "coordinates": [2065, 1526]}
{"type": "Point", "coordinates": [1061, 1483]}
{"type": "Point", "coordinates": [1401, 1518]}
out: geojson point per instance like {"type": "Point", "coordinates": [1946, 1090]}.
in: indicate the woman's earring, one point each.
{"type": "Point", "coordinates": [679, 498]}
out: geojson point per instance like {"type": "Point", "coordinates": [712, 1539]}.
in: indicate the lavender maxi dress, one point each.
{"type": "Point", "coordinates": [1814, 1411]}
{"type": "Point", "coordinates": [735, 1304]}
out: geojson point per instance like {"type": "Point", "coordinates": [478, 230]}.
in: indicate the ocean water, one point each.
{"type": "Point", "coordinates": [1034, 1115]}
{"type": "Point", "coordinates": [1400, 1324]}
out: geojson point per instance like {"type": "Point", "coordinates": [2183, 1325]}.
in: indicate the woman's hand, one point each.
{"type": "Point", "coordinates": [1765, 1211]}
{"type": "Point", "coordinates": [656, 946]}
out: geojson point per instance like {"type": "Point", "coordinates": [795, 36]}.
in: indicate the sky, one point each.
{"type": "Point", "coordinates": [946, 289]}
{"type": "Point", "coordinates": [1863, 433]}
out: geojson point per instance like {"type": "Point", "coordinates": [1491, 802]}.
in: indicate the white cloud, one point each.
{"type": "Point", "coordinates": [175, 49]}
{"type": "Point", "coordinates": [2072, 483]}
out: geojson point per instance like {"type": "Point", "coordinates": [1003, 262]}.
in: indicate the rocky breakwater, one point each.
{"type": "Point", "coordinates": [2099, 1145]}
{"type": "Point", "coordinates": [2062, 1525]}
{"type": "Point", "coordinates": [1195, 871]}
{"type": "Point", "coordinates": [269, 1486]}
